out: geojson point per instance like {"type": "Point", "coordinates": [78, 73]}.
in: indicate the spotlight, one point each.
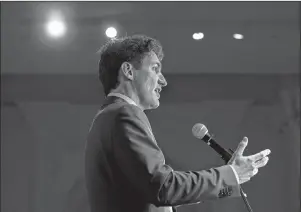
{"type": "Point", "coordinates": [198, 36]}
{"type": "Point", "coordinates": [111, 32]}
{"type": "Point", "coordinates": [238, 36]}
{"type": "Point", "coordinates": [56, 28]}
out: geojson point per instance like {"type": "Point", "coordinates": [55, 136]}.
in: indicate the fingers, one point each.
{"type": "Point", "coordinates": [241, 146]}
{"type": "Point", "coordinates": [258, 164]}
{"type": "Point", "coordinates": [248, 176]}
{"type": "Point", "coordinates": [260, 155]}
{"type": "Point", "coordinates": [262, 162]}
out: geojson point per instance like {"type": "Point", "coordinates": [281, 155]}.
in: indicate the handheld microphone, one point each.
{"type": "Point", "coordinates": [200, 131]}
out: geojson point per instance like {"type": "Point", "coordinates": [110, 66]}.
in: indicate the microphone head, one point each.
{"type": "Point", "coordinates": [199, 130]}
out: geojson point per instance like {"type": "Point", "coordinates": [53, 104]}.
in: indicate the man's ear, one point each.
{"type": "Point", "coordinates": [127, 70]}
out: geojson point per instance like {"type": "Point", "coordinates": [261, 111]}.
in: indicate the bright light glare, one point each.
{"type": "Point", "coordinates": [197, 36]}
{"type": "Point", "coordinates": [238, 36]}
{"type": "Point", "coordinates": [111, 32]}
{"type": "Point", "coordinates": [56, 28]}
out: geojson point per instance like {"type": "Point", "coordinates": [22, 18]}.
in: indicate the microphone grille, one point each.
{"type": "Point", "coordinates": [199, 130]}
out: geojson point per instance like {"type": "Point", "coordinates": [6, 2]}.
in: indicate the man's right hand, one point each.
{"type": "Point", "coordinates": [247, 166]}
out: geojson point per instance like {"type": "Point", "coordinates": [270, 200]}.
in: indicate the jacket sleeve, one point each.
{"type": "Point", "coordinates": [142, 161]}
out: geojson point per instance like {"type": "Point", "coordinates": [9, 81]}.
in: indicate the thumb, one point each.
{"type": "Point", "coordinates": [241, 146]}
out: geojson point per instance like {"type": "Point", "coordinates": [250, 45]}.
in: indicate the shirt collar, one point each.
{"type": "Point", "coordinates": [124, 97]}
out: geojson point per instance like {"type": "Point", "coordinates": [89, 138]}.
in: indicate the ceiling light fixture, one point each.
{"type": "Point", "coordinates": [198, 36]}
{"type": "Point", "coordinates": [111, 32]}
{"type": "Point", "coordinates": [238, 36]}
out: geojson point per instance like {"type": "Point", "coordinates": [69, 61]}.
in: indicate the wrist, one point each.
{"type": "Point", "coordinates": [235, 173]}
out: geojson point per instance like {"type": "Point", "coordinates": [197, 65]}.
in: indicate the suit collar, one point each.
{"type": "Point", "coordinates": [124, 97]}
{"type": "Point", "coordinates": [111, 100]}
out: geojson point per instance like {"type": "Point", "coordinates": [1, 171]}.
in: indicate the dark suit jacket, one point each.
{"type": "Point", "coordinates": [125, 169]}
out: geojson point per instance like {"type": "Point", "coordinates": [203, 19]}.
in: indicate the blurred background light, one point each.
{"type": "Point", "coordinates": [238, 36]}
{"type": "Point", "coordinates": [56, 28]}
{"type": "Point", "coordinates": [111, 32]}
{"type": "Point", "coordinates": [198, 36]}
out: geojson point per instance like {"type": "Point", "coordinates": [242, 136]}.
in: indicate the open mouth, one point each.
{"type": "Point", "coordinates": [158, 90]}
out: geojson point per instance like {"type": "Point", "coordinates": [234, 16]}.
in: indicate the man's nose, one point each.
{"type": "Point", "coordinates": [162, 80]}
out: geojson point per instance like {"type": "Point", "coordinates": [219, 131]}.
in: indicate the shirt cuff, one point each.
{"type": "Point", "coordinates": [235, 173]}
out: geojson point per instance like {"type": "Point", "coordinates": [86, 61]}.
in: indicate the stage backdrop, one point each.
{"type": "Point", "coordinates": [45, 121]}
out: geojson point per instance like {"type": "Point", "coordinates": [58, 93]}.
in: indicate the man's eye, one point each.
{"type": "Point", "coordinates": [156, 68]}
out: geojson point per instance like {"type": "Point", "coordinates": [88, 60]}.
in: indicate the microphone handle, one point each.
{"type": "Point", "coordinates": [225, 155]}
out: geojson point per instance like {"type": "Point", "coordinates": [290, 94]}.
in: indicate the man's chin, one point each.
{"type": "Point", "coordinates": [155, 104]}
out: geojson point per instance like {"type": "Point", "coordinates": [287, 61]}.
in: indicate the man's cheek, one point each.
{"type": "Point", "coordinates": [149, 85]}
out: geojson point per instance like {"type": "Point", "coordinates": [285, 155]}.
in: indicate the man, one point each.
{"type": "Point", "coordinates": [124, 166]}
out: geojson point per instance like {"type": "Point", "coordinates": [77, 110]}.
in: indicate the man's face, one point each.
{"type": "Point", "coordinates": [149, 81]}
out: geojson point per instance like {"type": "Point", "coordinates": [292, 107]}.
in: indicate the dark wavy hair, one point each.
{"type": "Point", "coordinates": [128, 49]}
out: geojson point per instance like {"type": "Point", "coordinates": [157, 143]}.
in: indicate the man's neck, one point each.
{"type": "Point", "coordinates": [129, 93]}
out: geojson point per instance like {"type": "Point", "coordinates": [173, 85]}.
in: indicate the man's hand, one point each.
{"type": "Point", "coordinates": [247, 166]}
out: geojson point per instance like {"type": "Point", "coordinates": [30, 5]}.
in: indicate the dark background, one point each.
{"type": "Point", "coordinates": [50, 94]}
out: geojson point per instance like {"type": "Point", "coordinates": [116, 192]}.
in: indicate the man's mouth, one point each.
{"type": "Point", "coordinates": [158, 90]}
